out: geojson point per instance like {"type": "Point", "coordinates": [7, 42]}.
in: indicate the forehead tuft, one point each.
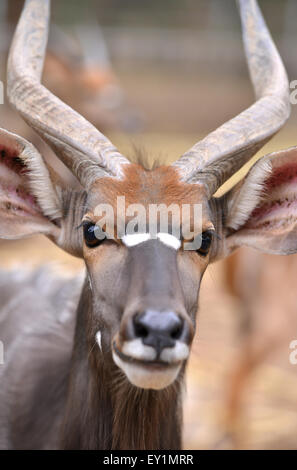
{"type": "Point", "coordinates": [158, 186]}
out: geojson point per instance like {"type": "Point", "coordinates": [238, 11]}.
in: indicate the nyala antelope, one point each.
{"type": "Point", "coordinates": [108, 373]}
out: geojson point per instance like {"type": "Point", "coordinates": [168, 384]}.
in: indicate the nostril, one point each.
{"type": "Point", "coordinates": [140, 330]}
{"type": "Point", "coordinates": [177, 330]}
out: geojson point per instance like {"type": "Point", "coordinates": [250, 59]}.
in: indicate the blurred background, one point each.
{"type": "Point", "coordinates": [159, 76]}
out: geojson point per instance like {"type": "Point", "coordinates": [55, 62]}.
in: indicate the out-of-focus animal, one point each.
{"type": "Point", "coordinates": [265, 289]}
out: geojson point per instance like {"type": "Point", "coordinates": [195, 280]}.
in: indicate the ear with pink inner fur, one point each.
{"type": "Point", "coordinates": [28, 200]}
{"type": "Point", "coordinates": [261, 210]}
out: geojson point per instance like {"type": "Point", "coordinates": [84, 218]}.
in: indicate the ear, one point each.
{"type": "Point", "coordinates": [261, 210]}
{"type": "Point", "coordinates": [31, 201]}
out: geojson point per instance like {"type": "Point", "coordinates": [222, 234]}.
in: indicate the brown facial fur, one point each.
{"type": "Point", "coordinates": [158, 186]}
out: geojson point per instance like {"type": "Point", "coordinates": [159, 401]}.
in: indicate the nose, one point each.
{"type": "Point", "coordinates": [158, 329]}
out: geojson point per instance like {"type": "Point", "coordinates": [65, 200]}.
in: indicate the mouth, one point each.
{"type": "Point", "coordinates": [148, 374]}
{"type": "Point", "coordinates": [151, 364]}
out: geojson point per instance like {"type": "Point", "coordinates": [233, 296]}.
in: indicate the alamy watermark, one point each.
{"type": "Point", "coordinates": [293, 353]}
{"type": "Point", "coordinates": [184, 222]}
{"type": "Point", "coordinates": [1, 353]}
{"type": "Point", "coordinates": [293, 94]}
{"type": "Point", "coordinates": [1, 92]}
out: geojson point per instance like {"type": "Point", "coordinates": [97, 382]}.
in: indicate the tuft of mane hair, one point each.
{"type": "Point", "coordinates": [142, 157]}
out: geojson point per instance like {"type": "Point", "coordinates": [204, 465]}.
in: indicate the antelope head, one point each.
{"type": "Point", "coordinates": [144, 289]}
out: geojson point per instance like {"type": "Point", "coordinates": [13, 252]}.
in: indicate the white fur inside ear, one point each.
{"type": "Point", "coordinates": [98, 339]}
{"type": "Point", "coordinates": [247, 197]}
{"type": "Point", "coordinates": [41, 184]}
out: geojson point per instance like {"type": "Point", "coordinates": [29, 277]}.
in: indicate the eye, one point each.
{"type": "Point", "coordinates": [205, 243]}
{"type": "Point", "coordinates": [93, 234]}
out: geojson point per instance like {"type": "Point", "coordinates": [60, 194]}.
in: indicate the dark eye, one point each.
{"type": "Point", "coordinates": [93, 234]}
{"type": "Point", "coordinates": [205, 242]}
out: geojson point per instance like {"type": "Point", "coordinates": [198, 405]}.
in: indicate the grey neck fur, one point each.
{"type": "Point", "coordinates": [104, 411]}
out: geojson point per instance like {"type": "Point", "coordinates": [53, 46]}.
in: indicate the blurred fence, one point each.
{"type": "Point", "coordinates": [219, 51]}
{"type": "Point", "coordinates": [204, 32]}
